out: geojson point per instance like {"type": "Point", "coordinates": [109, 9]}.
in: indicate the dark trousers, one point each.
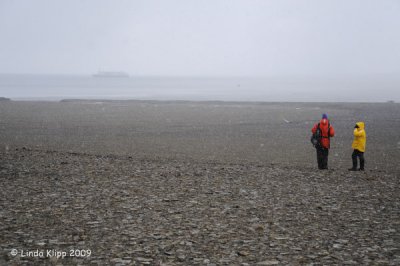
{"type": "Point", "coordinates": [322, 157]}
{"type": "Point", "coordinates": [360, 155]}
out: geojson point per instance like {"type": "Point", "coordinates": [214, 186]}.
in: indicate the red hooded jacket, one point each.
{"type": "Point", "coordinates": [323, 125]}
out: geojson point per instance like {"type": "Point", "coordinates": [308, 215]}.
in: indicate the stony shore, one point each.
{"type": "Point", "coordinates": [133, 212]}
{"type": "Point", "coordinates": [148, 208]}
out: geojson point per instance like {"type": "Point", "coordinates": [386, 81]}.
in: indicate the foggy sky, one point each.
{"type": "Point", "coordinates": [201, 38]}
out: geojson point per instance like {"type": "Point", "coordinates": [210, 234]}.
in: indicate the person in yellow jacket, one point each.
{"type": "Point", "coordinates": [360, 139]}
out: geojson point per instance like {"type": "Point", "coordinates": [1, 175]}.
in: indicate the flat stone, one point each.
{"type": "Point", "coordinates": [268, 262]}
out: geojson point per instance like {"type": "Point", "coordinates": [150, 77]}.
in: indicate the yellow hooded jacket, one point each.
{"type": "Point", "coordinates": [360, 138]}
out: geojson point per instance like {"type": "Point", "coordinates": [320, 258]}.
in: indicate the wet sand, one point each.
{"type": "Point", "coordinates": [183, 183]}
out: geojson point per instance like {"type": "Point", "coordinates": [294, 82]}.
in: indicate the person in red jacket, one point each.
{"type": "Point", "coordinates": [323, 146]}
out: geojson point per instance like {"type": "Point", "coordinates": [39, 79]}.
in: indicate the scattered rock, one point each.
{"type": "Point", "coordinates": [268, 262]}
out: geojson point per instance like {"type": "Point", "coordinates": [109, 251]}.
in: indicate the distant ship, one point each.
{"type": "Point", "coordinates": [111, 74]}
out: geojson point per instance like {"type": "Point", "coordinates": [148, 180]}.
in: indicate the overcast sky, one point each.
{"type": "Point", "coordinates": [201, 38]}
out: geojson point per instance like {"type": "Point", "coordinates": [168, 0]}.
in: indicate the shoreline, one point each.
{"type": "Point", "coordinates": [127, 100]}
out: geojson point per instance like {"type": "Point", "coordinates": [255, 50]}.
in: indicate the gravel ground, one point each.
{"type": "Point", "coordinates": [144, 183]}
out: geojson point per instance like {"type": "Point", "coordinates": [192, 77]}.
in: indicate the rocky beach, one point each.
{"type": "Point", "coordinates": [195, 183]}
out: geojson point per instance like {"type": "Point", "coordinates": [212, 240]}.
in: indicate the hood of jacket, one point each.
{"type": "Point", "coordinates": [360, 125]}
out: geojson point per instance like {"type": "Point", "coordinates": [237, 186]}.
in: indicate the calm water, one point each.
{"type": "Point", "coordinates": [28, 87]}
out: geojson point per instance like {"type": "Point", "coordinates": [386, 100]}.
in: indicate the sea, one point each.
{"type": "Point", "coordinates": [253, 89]}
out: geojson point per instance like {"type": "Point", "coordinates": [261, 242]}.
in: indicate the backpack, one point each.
{"type": "Point", "coordinates": [317, 136]}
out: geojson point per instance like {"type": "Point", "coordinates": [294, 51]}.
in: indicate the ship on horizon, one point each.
{"type": "Point", "coordinates": [111, 74]}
